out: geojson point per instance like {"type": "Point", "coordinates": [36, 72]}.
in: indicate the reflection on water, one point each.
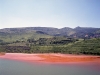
{"type": "Point", "coordinates": [11, 67]}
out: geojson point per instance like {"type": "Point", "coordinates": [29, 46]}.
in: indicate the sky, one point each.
{"type": "Point", "coordinates": [49, 13]}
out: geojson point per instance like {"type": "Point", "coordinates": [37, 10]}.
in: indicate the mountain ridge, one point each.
{"type": "Point", "coordinates": [38, 32]}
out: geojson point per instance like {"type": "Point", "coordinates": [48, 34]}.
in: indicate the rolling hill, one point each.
{"type": "Point", "coordinates": [80, 40]}
{"type": "Point", "coordinates": [12, 34]}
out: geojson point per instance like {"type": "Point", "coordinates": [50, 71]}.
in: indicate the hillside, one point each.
{"type": "Point", "coordinates": [89, 46]}
{"type": "Point", "coordinates": [37, 32]}
{"type": "Point", "coordinates": [18, 34]}
{"type": "Point", "coordinates": [91, 32]}
{"type": "Point", "coordinates": [80, 40]}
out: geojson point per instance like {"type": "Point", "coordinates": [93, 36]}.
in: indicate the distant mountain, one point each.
{"type": "Point", "coordinates": [79, 32]}
{"type": "Point", "coordinates": [11, 34]}
{"type": "Point", "coordinates": [82, 31]}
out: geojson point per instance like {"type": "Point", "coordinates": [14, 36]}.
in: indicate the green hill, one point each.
{"type": "Point", "coordinates": [46, 40]}
{"type": "Point", "coordinates": [89, 46]}
{"type": "Point", "coordinates": [36, 32]}
{"type": "Point", "coordinates": [18, 34]}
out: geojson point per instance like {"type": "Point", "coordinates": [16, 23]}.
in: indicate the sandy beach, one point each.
{"type": "Point", "coordinates": [52, 58]}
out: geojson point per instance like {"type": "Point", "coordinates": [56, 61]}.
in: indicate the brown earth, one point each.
{"type": "Point", "coordinates": [2, 53]}
{"type": "Point", "coordinates": [52, 58]}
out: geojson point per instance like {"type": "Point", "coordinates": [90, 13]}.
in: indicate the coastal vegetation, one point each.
{"type": "Point", "coordinates": [69, 46]}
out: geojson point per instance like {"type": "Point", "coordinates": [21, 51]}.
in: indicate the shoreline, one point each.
{"type": "Point", "coordinates": [52, 58]}
{"type": "Point", "coordinates": [2, 53]}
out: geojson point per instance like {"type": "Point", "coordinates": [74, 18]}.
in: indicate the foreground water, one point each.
{"type": "Point", "coordinates": [12, 67]}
